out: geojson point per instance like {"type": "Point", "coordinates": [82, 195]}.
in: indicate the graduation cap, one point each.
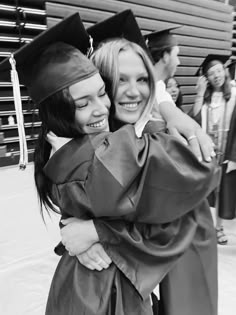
{"type": "Point", "coordinates": [210, 61]}
{"type": "Point", "coordinates": [51, 62]}
{"type": "Point", "coordinates": [70, 31]}
{"type": "Point", "coordinates": [122, 24]}
{"type": "Point", "coordinates": [160, 40]}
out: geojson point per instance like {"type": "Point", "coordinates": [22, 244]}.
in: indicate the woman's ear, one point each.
{"type": "Point", "coordinates": [166, 57]}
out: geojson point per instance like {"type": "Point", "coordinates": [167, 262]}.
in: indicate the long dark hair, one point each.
{"type": "Point", "coordinates": [179, 100]}
{"type": "Point", "coordinates": [226, 89]}
{"type": "Point", "coordinates": [57, 114]}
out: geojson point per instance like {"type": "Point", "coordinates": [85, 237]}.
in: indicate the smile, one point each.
{"type": "Point", "coordinates": [130, 106]}
{"type": "Point", "coordinates": [98, 124]}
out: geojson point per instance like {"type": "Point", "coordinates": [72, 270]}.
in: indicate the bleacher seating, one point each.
{"type": "Point", "coordinates": [20, 22]}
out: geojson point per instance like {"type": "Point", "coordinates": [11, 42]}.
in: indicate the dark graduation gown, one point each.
{"type": "Point", "coordinates": [79, 170]}
{"type": "Point", "coordinates": [227, 195]}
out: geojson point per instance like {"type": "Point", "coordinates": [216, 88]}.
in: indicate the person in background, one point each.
{"type": "Point", "coordinates": [215, 109]}
{"type": "Point", "coordinates": [173, 88]}
{"type": "Point", "coordinates": [232, 74]}
{"type": "Point", "coordinates": [164, 50]}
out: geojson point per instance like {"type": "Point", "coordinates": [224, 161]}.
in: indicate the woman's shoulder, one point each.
{"type": "Point", "coordinates": [233, 90]}
{"type": "Point", "coordinates": [71, 161]}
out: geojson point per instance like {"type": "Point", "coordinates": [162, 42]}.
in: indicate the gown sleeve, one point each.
{"type": "Point", "coordinates": [129, 174]}
{"type": "Point", "coordinates": [156, 173]}
{"type": "Point", "coordinates": [146, 252]}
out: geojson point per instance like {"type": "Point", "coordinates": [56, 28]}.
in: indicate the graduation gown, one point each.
{"type": "Point", "coordinates": [227, 196]}
{"type": "Point", "coordinates": [75, 171]}
{"type": "Point", "coordinates": [191, 285]}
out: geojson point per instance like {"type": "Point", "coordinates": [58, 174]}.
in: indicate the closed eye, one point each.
{"type": "Point", "coordinates": [80, 106]}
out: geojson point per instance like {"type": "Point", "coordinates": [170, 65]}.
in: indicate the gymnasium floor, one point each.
{"type": "Point", "coordinates": [27, 261]}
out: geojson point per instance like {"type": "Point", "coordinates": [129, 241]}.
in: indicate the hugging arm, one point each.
{"type": "Point", "coordinates": [143, 252]}
{"type": "Point", "coordinates": [120, 171]}
{"type": "Point", "coordinates": [156, 172]}
{"type": "Point", "coordinates": [181, 125]}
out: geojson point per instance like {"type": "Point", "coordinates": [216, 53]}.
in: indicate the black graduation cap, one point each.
{"type": "Point", "coordinates": [210, 61]}
{"type": "Point", "coordinates": [51, 62]}
{"type": "Point", "coordinates": [161, 39]}
{"type": "Point", "coordinates": [122, 24]}
{"type": "Point", "coordinates": [69, 32]}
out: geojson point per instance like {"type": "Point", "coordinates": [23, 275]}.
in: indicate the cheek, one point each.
{"type": "Point", "coordinates": [119, 93]}
{"type": "Point", "coordinates": [81, 119]}
{"type": "Point", "coordinates": [146, 91]}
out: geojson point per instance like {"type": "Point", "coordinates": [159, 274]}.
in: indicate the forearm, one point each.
{"type": "Point", "coordinates": [168, 110]}
{"type": "Point", "coordinates": [174, 116]}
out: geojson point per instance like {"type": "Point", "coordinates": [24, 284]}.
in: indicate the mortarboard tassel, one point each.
{"type": "Point", "coordinates": [19, 114]}
{"type": "Point", "coordinates": [90, 49]}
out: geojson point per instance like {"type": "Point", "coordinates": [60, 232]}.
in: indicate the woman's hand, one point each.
{"type": "Point", "coordinates": [78, 235]}
{"type": "Point", "coordinates": [95, 258]}
{"type": "Point", "coordinates": [184, 126]}
{"type": "Point", "coordinates": [201, 86]}
{"type": "Point", "coordinates": [188, 131]}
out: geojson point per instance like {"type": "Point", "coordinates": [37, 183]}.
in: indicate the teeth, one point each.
{"type": "Point", "coordinates": [130, 105]}
{"type": "Point", "coordinates": [98, 124]}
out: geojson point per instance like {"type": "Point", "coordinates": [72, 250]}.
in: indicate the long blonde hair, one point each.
{"type": "Point", "coordinates": [105, 59]}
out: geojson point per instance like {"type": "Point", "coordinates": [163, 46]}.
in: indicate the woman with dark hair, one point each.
{"type": "Point", "coordinates": [215, 110]}
{"type": "Point", "coordinates": [173, 88]}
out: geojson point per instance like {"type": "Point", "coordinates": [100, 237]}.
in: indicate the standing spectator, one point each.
{"type": "Point", "coordinates": [215, 110]}
{"type": "Point", "coordinates": [231, 69]}
{"type": "Point", "coordinates": [173, 88]}
{"type": "Point", "coordinates": [164, 50]}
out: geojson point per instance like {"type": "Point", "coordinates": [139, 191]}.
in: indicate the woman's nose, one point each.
{"type": "Point", "coordinates": [102, 106]}
{"type": "Point", "coordinates": [132, 90]}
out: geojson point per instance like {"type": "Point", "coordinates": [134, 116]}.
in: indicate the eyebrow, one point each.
{"type": "Point", "coordinates": [86, 96]}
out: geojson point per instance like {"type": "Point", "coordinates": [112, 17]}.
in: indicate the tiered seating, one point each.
{"type": "Point", "coordinates": [20, 22]}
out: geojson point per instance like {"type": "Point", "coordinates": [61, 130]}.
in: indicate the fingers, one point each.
{"type": "Point", "coordinates": [88, 263]}
{"type": "Point", "coordinates": [100, 252]}
{"type": "Point", "coordinates": [95, 258]}
{"type": "Point", "coordinates": [206, 145]}
{"type": "Point", "coordinates": [92, 263]}
{"type": "Point", "coordinates": [195, 147]}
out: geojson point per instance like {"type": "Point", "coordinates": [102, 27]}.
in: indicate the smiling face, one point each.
{"type": "Point", "coordinates": [172, 88]}
{"type": "Point", "coordinates": [133, 89]}
{"type": "Point", "coordinates": [92, 105]}
{"type": "Point", "coordinates": [216, 76]}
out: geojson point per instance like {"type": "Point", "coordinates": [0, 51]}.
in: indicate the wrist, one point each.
{"type": "Point", "coordinates": [93, 231]}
